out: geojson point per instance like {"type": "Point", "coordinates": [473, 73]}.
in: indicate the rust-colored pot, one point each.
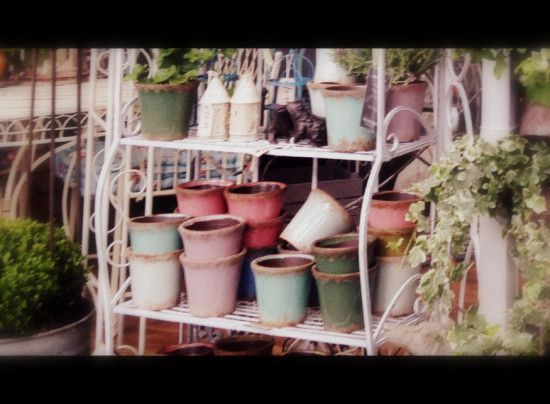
{"type": "Point", "coordinates": [202, 197]}
{"type": "Point", "coordinates": [405, 124]}
{"type": "Point", "coordinates": [265, 233]}
{"type": "Point", "coordinates": [256, 201]}
{"type": "Point", "coordinates": [245, 345]}
{"type": "Point", "coordinates": [389, 208]}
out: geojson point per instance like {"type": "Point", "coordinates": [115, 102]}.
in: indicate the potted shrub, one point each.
{"type": "Point", "coordinates": [167, 97]}
{"type": "Point", "coordinates": [42, 311]}
{"type": "Point", "coordinates": [534, 74]}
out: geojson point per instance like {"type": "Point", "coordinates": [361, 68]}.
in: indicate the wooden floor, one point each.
{"type": "Point", "coordinates": [161, 334]}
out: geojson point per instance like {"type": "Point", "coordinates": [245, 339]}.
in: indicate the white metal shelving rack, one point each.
{"type": "Point", "coordinates": [245, 317]}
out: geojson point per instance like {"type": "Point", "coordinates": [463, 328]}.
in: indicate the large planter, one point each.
{"type": "Point", "coordinates": [340, 254]}
{"type": "Point", "coordinates": [265, 233]}
{"type": "Point", "coordinates": [393, 272]}
{"type": "Point", "coordinates": [343, 109]}
{"type": "Point", "coordinates": [156, 279]}
{"type": "Point", "coordinates": [320, 216]}
{"type": "Point", "coordinates": [389, 208]}
{"type": "Point", "coordinates": [202, 197]}
{"type": "Point", "coordinates": [340, 298]}
{"type": "Point", "coordinates": [245, 345]}
{"type": "Point", "coordinates": [166, 109]}
{"type": "Point", "coordinates": [535, 120]}
{"type": "Point", "coordinates": [71, 339]}
{"type": "Point", "coordinates": [282, 288]}
{"type": "Point", "coordinates": [212, 284]}
{"type": "Point", "coordinates": [316, 96]}
{"type": "Point", "coordinates": [247, 287]}
{"type": "Point", "coordinates": [156, 234]}
{"type": "Point", "coordinates": [405, 124]}
{"type": "Point", "coordinates": [386, 236]}
{"type": "Point", "coordinates": [212, 237]}
{"type": "Point", "coordinates": [256, 201]}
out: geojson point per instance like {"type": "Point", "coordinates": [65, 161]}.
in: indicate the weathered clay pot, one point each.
{"type": "Point", "coordinates": [156, 279]}
{"type": "Point", "coordinates": [320, 216]}
{"type": "Point", "coordinates": [202, 197]}
{"type": "Point", "coordinates": [340, 254]}
{"type": "Point", "coordinates": [156, 234]}
{"type": "Point", "coordinates": [212, 284]}
{"type": "Point", "coordinates": [387, 236]}
{"type": "Point", "coordinates": [282, 288]}
{"type": "Point", "coordinates": [256, 201]}
{"type": "Point", "coordinates": [265, 233]}
{"type": "Point", "coordinates": [212, 237]}
{"type": "Point", "coordinates": [343, 109]}
{"type": "Point", "coordinates": [247, 287]}
{"type": "Point", "coordinates": [535, 121]}
{"type": "Point", "coordinates": [392, 274]}
{"type": "Point", "coordinates": [316, 96]}
{"type": "Point", "coordinates": [388, 209]}
{"type": "Point", "coordinates": [405, 124]}
{"type": "Point", "coordinates": [245, 345]}
{"type": "Point", "coordinates": [194, 349]}
{"type": "Point", "coordinates": [340, 298]}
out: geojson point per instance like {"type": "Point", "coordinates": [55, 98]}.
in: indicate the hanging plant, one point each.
{"type": "Point", "coordinates": [504, 182]}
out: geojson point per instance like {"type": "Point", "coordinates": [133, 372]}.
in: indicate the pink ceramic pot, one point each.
{"type": "Point", "coordinates": [212, 237]}
{"type": "Point", "coordinates": [263, 234]}
{"type": "Point", "coordinates": [405, 124]}
{"type": "Point", "coordinates": [256, 201]}
{"type": "Point", "coordinates": [212, 284]}
{"type": "Point", "coordinates": [388, 209]}
{"type": "Point", "coordinates": [202, 197]}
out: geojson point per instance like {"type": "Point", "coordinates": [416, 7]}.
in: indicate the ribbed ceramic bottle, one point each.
{"type": "Point", "coordinates": [213, 112]}
{"type": "Point", "coordinates": [244, 118]}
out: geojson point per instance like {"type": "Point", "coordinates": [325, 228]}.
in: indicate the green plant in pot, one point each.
{"type": "Point", "coordinates": [534, 74]}
{"type": "Point", "coordinates": [42, 309]}
{"type": "Point", "coordinates": [167, 96]}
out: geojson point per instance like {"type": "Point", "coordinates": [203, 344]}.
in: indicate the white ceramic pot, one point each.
{"type": "Point", "coordinates": [244, 116]}
{"type": "Point", "coordinates": [213, 110]}
{"type": "Point", "coordinates": [156, 279]}
{"type": "Point", "coordinates": [316, 96]}
{"type": "Point", "coordinates": [326, 69]}
{"type": "Point", "coordinates": [393, 272]}
{"type": "Point", "coordinates": [320, 216]}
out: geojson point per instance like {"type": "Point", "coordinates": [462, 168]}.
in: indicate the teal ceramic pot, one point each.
{"type": "Point", "coordinates": [343, 109]}
{"type": "Point", "coordinates": [282, 288]}
{"type": "Point", "coordinates": [156, 234]}
{"type": "Point", "coordinates": [166, 109]}
{"type": "Point", "coordinates": [340, 298]}
{"type": "Point", "coordinates": [340, 254]}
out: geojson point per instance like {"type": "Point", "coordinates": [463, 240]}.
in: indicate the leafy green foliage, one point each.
{"type": "Point", "coordinates": [534, 74]}
{"type": "Point", "coordinates": [504, 181]}
{"type": "Point", "coordinates": [39, 289]}
{"type": "Point", "coordinates": [177, 65]}
{"type": "Point", "coordinates": [356, 61]}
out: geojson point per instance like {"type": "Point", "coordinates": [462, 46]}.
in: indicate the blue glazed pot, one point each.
{"type": "Point", "coordinates": [156, 234]}
{"type": "Point", "coordinates": [344, 107]}
{"type": "Point", "coordinates": [282, 287]}
{"type": "Point", "coordinates": [247, 288]}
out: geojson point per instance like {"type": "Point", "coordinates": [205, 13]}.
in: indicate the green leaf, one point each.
{"type": "Point", "coordinates": [164, 75]}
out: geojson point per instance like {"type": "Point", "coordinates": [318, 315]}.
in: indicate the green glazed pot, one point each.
{"type": "Point", "coordinates": [340, 254]}
{"type": "Point", "coordinates": [166, 110]}
{"type": "Point", "coordinates": [386, 236]}
{"type": "Point", "coordinates": [340, 298]}
{"type": "Point", "coordinates": [282, 288]}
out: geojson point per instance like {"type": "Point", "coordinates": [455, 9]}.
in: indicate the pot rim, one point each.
{"type": "Point", "coordinates": [339, 250]}
{"type": "Point", "coordinates": [268, 341]}
{"type": "Point", "coordinates": [322, 84]}
{"type": "Point", "coordinates": [400, 231]}
{"type": "Point", "coordinates": [177, 219]}
{"type": "Point", "coordinates": [189, 86]}
{"type": "Point", "coordinates": [184, 188]}
{"type": "Point", "coordinates": [257, 268]}
{"type": "Point", "coordinates": [344, 90]}
{"type": "Point", "coordinates": [378, 202]}
{"type": "Point", "coordinates": [166, 350]}
{"type": "Point", "coordinates": [230, 195]}
{"type": "Point", "coordinates": [266, 223]}
{"type": "Point", "coordinates": [153, 257]}
{"type": "Point", "coordinates": [229, 229]}
{"type": "Point", "coordinates": [231, 259]}
{"type": "Point", "coordinates": [409, 86]}
{"type": "Point", "coordinates": [325, 276]}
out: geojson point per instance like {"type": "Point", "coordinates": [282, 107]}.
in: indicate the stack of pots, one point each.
{"type": "Point", "coordinates": [212, 263]}
{"type": "Point", "coordinates": [336, 272]}
{"type": "Point", "coordinates": [388, 224]}
{"type": "Point", "coordinates": [261, 205]}
{"type": "Point", "coordinates": [156, 276]}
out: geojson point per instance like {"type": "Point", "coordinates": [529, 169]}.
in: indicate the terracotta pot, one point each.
{"type": "Point", "coordinates": [247, 287]}
{"type": "Point", "coordinates": [265, 233]}
{"type": "Point", "coordinates": [340, 254]}
{"type": "Point", "coordinates": [388, 209]}
{"type": "Point", "coordinates": [156, 234]}
{"type": "Point", "coordinates": [212, 284]}
{"type": "Point", "coordinates": [156, 279]}
{"type": "Point", "coordinates": [392, 274]}
{"type": "Point", "coordinates": [202, 197]}
{"type": "Point", "coordinates": [320, 216]}
{"type": "Point", "coordinates": [535, 121]}
{"type": "Point", "coordinates": [212, 237]}
{"type": "Point", "coordinates": [245, 345]}
{"type": "Point", "coordinates": [386, 236]}
{"type": "Point", "coordinates": [194, 349]}
{"type": "Point", "coordinates": [282, 288]}
{"type": "Point", "coordinates": [256, 201]}
{"type": "Point", "coordinates": [405, 124]}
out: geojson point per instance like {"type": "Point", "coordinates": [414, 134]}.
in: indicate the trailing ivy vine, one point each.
{"type": "Point", "coordinates": [504, 181]}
